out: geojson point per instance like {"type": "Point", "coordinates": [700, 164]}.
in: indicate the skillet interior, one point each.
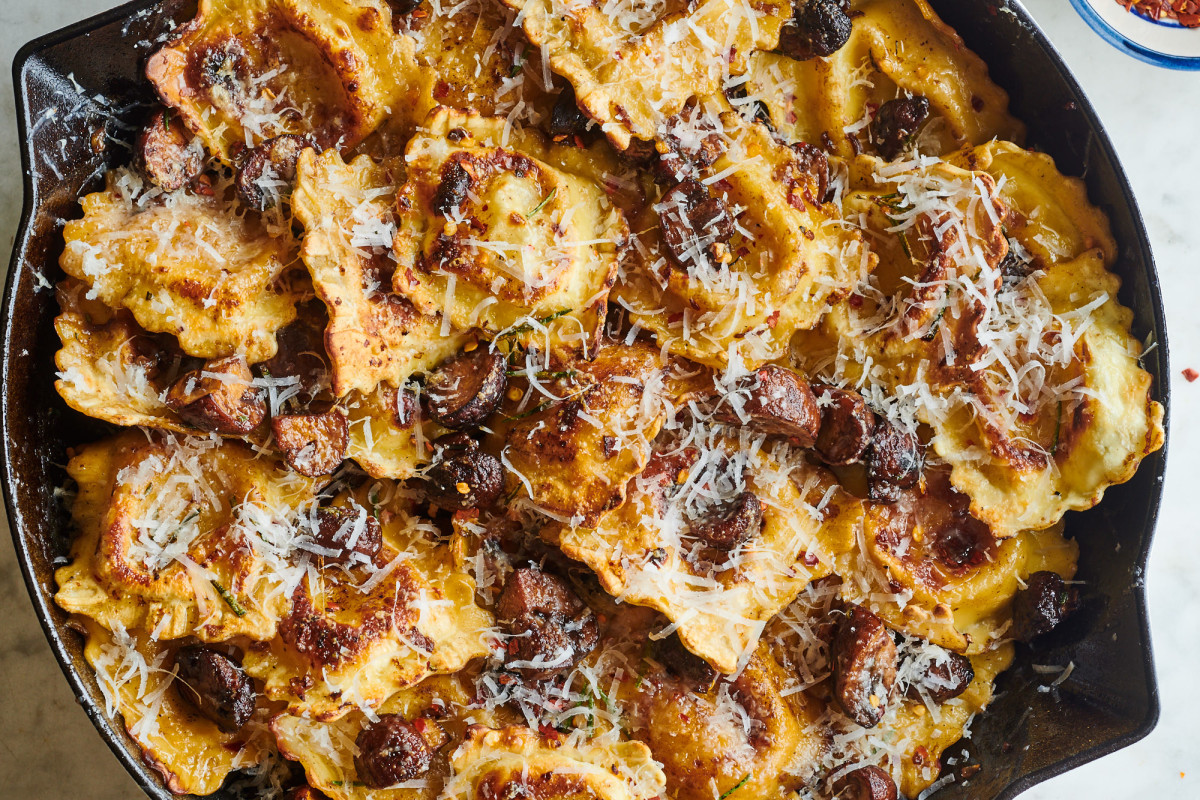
{"type": "Point", "coordinates": [1110, 698]}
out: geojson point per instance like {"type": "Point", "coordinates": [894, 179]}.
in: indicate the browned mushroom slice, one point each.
{"type": "Point", "coordinates": [725, 525]}
{"type": "Point", "coordinates": [390, 751]}
{"type": "Point", "coordinates": [894, 461]}
{"type": "Point", "coordinates": [550, 628]}
{"type": "Point", "coordinates": [942, 679]}
{"type": "Point", "coordinates": [347, 531]}
{"type": "Point", "coordinates": [269, 170]}
{"type": "Point", "coordinates": [1045, 601]}
{"type": "Point", "coordinates": [864, 666]}
{"type": "Point", "coordinates": [566, 120]}
{"type": "Point", "coordinates": [464, 479]}
{"type": "Point", "coordinates": [696, 226]}
{"type": "Point", "coordinates": [846, 425]}
{"type": "Point", "coordinates": [218, 397]}
{"type": "Point", "coordinates": [817, 29]}
{"type": "Point", "coordinates": [813, 160]}
{"type": "Point", "coordinates": [897, 123]}
{"type": "Point", "coordinates": [865, 783]}
{"type": "Point", "coordinates": [315, 444]}
{"type": "Point", "coordinates": [684, 663]}
{"type": "Point", "coordinates": [464, 391]}
{"type": "Point", "coordinates": [780, 403]}
{"type": "Point", "coordinates": [215, 685]}
{"type": "Point", "coordinates": [168, 154]}
{"type": "Point", "coordinates": [452, 190]}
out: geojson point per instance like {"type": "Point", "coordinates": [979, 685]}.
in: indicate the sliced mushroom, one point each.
{"type": "Point", "coordinates": [813, 160]}
{"type": "Point", "coordinates": [315, 444]}
{"type": "Point", "coordinates": [269, 170]}
{"type": "Point", "coordinates": [390, 751]}
{"type": "Point", "coordinates": [779, 403]}
{"type": "Point", "coordinates": [452, 190]}
{"type": "Point", "coordinates": [219, 397]}
{"type": "Point", "coordinates": [550, 628]}
{"type": "Point", "coordinates": [215, 685]}
{"type": "Point", "coordinates": [684, 663]}
{"type": "Point", "coordinates": [1045, 602]}
{"type": "Point", "coordinates": [864, 666]}
{"type": "Point", "coordinates": [865, 783]}
{"type": "Point", "coordinates": [466, 390]}
{"type": "Point", "coordinates": [894, 461]}
{"type": "Point", "coordinates": [347, 531]}
{"type": "Point", "coordinates": [727, 524]}
{"type": "Point", "coordinates": [897, 123]}
{"type": "Point", "coordinates": [464, 479]}
{"type": "Point", "coordinates": [169, 155]}
{"type": "Point", "coordinates": [696, 225]}
{"type": "Point", "coordinates": [846, 425]}
{"type": "Point", "coordinates": [817, 29]}
{"type": "Point", "coordinates": [566, 119]}
{"type": "Point", "coordinates": [942, 680]}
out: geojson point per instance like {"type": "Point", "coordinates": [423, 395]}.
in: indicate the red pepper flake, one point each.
{"type": "Point", "coordinates": [809, 559]}
{"type": "Point", "coordinates": [855, 301]}
{"type": "Point", "coordinates": [773, 320]}
{"type": "Point", "coordinates": [920, 755]}
{"type": "Point", "coordinates": [1185, 12]}
{"type": "Point", "coordinates": [1191, 374]}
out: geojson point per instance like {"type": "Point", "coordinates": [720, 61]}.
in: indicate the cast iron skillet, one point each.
{"type": "Point", "coordinates": [1027, 736]}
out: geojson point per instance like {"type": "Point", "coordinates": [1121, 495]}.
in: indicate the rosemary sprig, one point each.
{"type": "Point", "coordinates": [527, 327]}
{"type": "Point", "coordinates": [739, 785]}
{"type": "Point", "coordinates": [542, 204]}
{"type": "Point", "coordinates": [229, 599]}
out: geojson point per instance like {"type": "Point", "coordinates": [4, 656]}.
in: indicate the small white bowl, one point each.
{"type": "Point", "coordinates": [1164, 43]}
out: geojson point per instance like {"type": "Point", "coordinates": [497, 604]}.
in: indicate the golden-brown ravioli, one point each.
{"type": "Point", "coordinates": [353, 638]}
{"type": "Point", "coordinates": [373, 335]}
{"type": "Point", "coordinates": [187, 264]}
{"type": "Point", "coordinates": [644, 552]}
{"type": "Point", "coordinates": [518, 762]}
{"type": "Point", "coordinates": [244, 71]}
{"type": "Point", "coordinates": [635, 64]}
{"type": "Point", "coordinates": [437, 705]}
{"type": "Point", "coordinates": [178, 536]}
{"type": "Point", "coordinates": [492, 236]}
{"type": "Point", "coordinates": [189, 751]}
{"type": "Point", "coordinates": [100, 371]}
{"type": "Point", "coordinates": [790, 255]}
{"type": "Point", "coordinates": [898, 48]}
{"type": "Point", "coordinates": [574, 459]}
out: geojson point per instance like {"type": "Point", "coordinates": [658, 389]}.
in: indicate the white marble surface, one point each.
{"type": "Point", "coordinates": [48, 749]}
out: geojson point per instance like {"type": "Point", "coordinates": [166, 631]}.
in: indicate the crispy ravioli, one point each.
{"type": "Point", "coordinates": [100, 372]}
{"type": "Point", "coordinates": [518, 762]}
{"type": "Point", "coordinates": [373, 335]}
{"type": "Point", "coordinates": [496, 236]}
{"type": "Point", "coordinates": [352, 640]}
{"type": "Point", "coordinates": [574, 459]}
{"type": "Point", "coordinates": [633, 65]}
{"type": "Point", "coordinates": [898, 48]}
{"type": "Point", "coordinates": [141, 494]}
{"type": "Point", "coordinates": [244, 71]}
{"type": "Point", "coordinates": [637, 356]}
{"type": "Point", "coordinates": [186, 264]}
{"type": "Point", "coordinates": [791, 257]}
{"type": "Point", "coordinates": [190, 752]}
{"type": "Point", "coordinates": [644, 552]}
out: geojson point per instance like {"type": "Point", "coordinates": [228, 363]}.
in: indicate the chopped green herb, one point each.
{"type": "Point", "coordinates": [520, 62]}
{"type": "Point", "coordinates": [937, 321]}
{"type": "Point", "coordinates": [739, 785]}
{"type": "Point", "coordinates": [229, 599]}
{"type": "Point", "coordinates": [542, 204]}
{"type": "Point", "coordinates": [527, 327]}
{"type": "Point", "coordinates": [545, 375]}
